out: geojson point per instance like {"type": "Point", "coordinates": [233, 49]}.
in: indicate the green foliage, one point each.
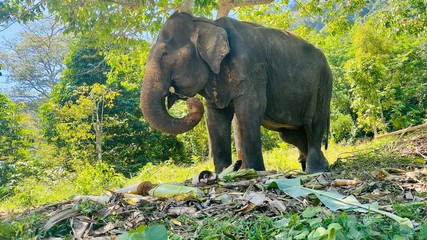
{"type": "Point", "coordinates": [26, 227]}
{"type": "Point", "coordinates": [386, 95]}
{"type": "Point", "coordinates": [15, 141]}
{"type": "Point", "coordinates": [342, 127]}
{"type": "Point", "coordinates": [19, 11]}
{"type": "Point", "coordinates": [367, 74]}
{"type": "Point", "coordinates": [95, 178]}
{"type": "Point", "coordinates": [154, 232]}
{"type": "Point", "coordinates": [195, 142]}
{"type": "Point", "coordinates": [86, 179]}
{"type": "Point", "coordinates": [273, 15]}
{"type": "Point", "coordinates": [269, 139]}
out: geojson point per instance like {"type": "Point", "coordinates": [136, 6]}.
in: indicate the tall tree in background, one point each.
{"type": "Point", "coordinates": [34, 61]}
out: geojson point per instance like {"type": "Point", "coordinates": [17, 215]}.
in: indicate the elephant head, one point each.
{"type": "Point", "coordinates": [186, 52]}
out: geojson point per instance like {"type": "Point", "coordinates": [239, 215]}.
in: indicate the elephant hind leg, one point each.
{"type": "Point", "coordinates": [316, 161]}
{"type": "Point", "coordinates": [298, 138]}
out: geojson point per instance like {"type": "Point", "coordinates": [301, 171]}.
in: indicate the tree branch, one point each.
{"type": "Point", "coordinates": [225, 6]}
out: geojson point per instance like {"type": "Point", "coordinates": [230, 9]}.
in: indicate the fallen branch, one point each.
{"type": "Point", "coordinates": [409, 129]}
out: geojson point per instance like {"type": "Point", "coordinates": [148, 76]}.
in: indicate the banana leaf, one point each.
{"type": "Point", "coordinates": [332, 200]}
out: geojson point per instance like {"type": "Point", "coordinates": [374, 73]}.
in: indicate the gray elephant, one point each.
{"type": "Point", "coordinates": [260, 75]}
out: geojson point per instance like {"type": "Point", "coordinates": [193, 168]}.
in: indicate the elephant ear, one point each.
{"type": "Point", "coordinates": [212, 44]}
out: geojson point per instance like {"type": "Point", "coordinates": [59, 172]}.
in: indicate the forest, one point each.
{"type": "Point", "coordinates": [71, 122]}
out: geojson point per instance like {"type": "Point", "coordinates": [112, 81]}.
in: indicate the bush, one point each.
{"type": "Point", "coordinates": [87, 179]}
{"type": "Point", "coordinates": [342, 127]}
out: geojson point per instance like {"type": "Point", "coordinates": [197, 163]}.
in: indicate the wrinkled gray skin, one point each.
{"type": "Point", "coordinates": [263, 76]}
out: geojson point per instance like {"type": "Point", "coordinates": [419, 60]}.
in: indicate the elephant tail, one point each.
{"type": "Point", "coordinates": [328, 125]}
{"type": "Point", "coordinates": [328, 101]}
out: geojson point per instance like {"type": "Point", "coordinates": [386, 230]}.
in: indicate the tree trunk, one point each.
{"type": "Point", "coordinates": [97, 125]}
{"type": "Point", "coordinates": [98, 141]}
{"type": "Point", "coordinates": [187, 6]}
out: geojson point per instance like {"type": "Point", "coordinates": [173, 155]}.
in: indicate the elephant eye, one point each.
{"type": "Point", "coordinates": [164, 53]}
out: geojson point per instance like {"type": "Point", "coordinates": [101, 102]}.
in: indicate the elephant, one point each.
{"type": "Point", "coordinates": [261, 76]}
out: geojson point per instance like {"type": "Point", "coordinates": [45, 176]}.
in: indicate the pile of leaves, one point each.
{"type": "Point", "coordinates": [374, 194]}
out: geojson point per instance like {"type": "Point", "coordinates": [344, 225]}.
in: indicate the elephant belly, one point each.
{"type": "Point", "coordinates": [276, 126]}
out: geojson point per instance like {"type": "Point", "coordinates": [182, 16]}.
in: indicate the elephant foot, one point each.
{"type": "Point", "coordinates": [316, 163]}
{"type": "Point", "coordinates": [255, 165]}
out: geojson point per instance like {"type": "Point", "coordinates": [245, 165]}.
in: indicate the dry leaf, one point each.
{"type": "Point", "coordinates": [277, 204]}
{"type": "Point", "coordinates": [103, 230]}
{"type": "Point", "coordinates": [344, 182]}
{"type": "Point", "coordinates": [257, 198]}
{"type": "Point", "coordinates": [79, 225]}
{"type": "Point", "coordinates": [65, 214]}
{"type": "Point", "coordinates": [177, 211]}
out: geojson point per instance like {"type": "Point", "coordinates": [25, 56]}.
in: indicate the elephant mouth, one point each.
{"type": "Point", "coordinates": [173, 96]}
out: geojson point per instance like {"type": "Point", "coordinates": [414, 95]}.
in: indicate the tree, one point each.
{"type": "Point", "coordinates": [18, 11]}
{"type": "Point", "coordinates": [14, 143]}
{"type": "Point", "coordinates": [35, 60]}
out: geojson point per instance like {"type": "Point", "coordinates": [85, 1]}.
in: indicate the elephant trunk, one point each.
{"type": "Point", "coordinates": [153, 94]}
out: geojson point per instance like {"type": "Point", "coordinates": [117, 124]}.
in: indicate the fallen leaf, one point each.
{"type": "Point", "coordinates": [257, 198]}
{"type": "Point", "coordinates": [344, 182]}
{"type": "Point", "coordinates": [333, 200]}
{"type": "Point", "coordinates": [102, 230]}
{"type": "Point", "coordinates": [79, 225]}
{"type": "Point", "coordinates": [408, 195]}
{"type": "Point", "coordinates": [65, 214]}
{"type": "Point", "coordinates": [246, 209]}
{"type": "Point", "coordinates": [278, 205]}
{"type": "Point", "coordinates": [177, 211]}
{"type": "Point", "coordinates": [99, 199]}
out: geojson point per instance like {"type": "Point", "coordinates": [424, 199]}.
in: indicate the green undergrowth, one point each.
{"type": "Point", "coordinates": [94, 179]}
{"type": "Point", "coordinates": [313, 223]}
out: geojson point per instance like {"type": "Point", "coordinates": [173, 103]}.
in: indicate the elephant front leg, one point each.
{"type": "Point", "coordinates": [219, 129]}
{"type": "Point", "coordinates": [249, 133]}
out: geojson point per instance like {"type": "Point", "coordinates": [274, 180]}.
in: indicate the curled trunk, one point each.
{"type": "Point", "coordinates": [153, 94]}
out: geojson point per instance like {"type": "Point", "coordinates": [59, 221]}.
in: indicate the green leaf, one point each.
{"type": "Point", "coordinates": [130, 236]}
{"type": "Point", "coordinates": [332, 200]}
{"type": "Point", "coordinates": [154, 232]}
{"type": "Point", "coordinates": [310, 212]}
{"type": "Point", "coordinates": [5, 230]}
{"type": "Point", "coordinates": [139, 229]}
{"type": "Point", "coordinates": [318, 233]}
